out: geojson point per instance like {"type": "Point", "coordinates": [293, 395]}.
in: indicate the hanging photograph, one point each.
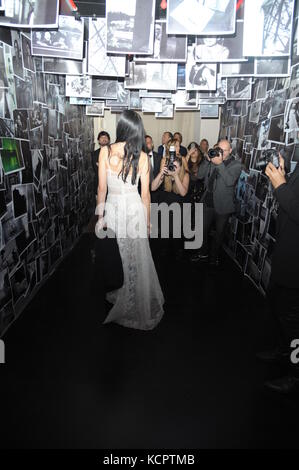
{"type": "Point", "coordinates": [151, 105]}
{"type": "Point", "coordinates": [65, 42]}
{"type": "Point", "coordinates": [137, 77]}
{"type": "Point", "coordinates": [79, 86]}
{"type": "Point", "coordinates": [17, 57]}
{"type": "Point", "coordinates": [135, 100]}
{"type": "Point", "coordinates": [167, 48]}
{"type": "Point", "coordinates": [239, 88]}
{"type": "Point", "coordinates": [201, 17]}
{"type": "Point", "coordinates": [274, 67]}
{"type": "Point", "coordinates": [31, 13]}
{"type": "Point", "coordinates": [161, 76]}
{"type": "Point", "coordinates": [240, 69]}
{"type": "Point", "coordinates": [276, 131]}
{"type": "Point", "coordinates": [122, 97]}
{"type": "Point", "coordinates": [167, 109]}
{"type": "Point", "coordinates": [255, 110]}
{"type": "Point", "coordinates": [209, 111]}
{"type": "Point", "coordinates": [62, 66]}
{"type": "Point", "coordinates": [291, 117]}
{"type": "Point", "coordinates": [294, 83]}
{"type": "Point", "coordinates": [220, 49]}
{"type": "Point", "coordinates": [80, 101]}
{"type": "Point", "coordinates": [11, 156]}
{"type": "Point", "coordinates": [271, 22]}
{"type": "Point", "coordinates": [201, 76]}
{"type": "Point", "coordinates": [27, 57]}
{"type": "Point", "coordinates": [130, 26]}
{"type": "Point", "coordinates": [185, 100]}
{"type": "Point", "coordinates": [99, 62]}
{"type": "Point", "coordinates": [95, 109]}
{"type": "Point", "coordinates": [181, 78]}
{"type": "Point", "coordinates": [19, 198]}
{"type": "Point", "coordinates": [104, 88]}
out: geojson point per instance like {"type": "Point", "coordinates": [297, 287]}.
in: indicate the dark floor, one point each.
{"type": "Point", "coordinates": [193, 382]}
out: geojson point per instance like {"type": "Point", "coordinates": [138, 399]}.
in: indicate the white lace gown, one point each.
{"type": "Point", "coordinates": [139, 302]}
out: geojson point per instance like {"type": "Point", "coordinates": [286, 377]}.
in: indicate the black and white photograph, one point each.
{"type": "Point", "coordinates": [167, 109]}
{"type": "Point", "coordinates": [65, 42]}
{"type": "Point", "coordinates": [95, 109]}
{"type": "Point", "coordinates": [31, 13]}
{"type": "Point", "coordinates": [135, 100]}
{"type": "Point", "coordinates": [122, 97]}
{"type": "Point", "coordinates": [130, 26]}
{"type": "Point", "coordinates": [255, 110]}
{"type": "Point", "coordinates": [36, 138]}
{"type": "Point", "coordinates": [78, 86]}
{"type": "Point", "coordinates": [294, 83]}
{"type": "Point", "coordinates": [268, 27]}
{"type": "Point", "coordinates": [239, 88]}
{"type": "Point", "coordinates": [279, 102]}
{"type": "Point", "coordinates": [201, 17]}
{"type": "Point", "coordinates": [209, 111]}
{"type": "Point", "coordinates": [276, 131]}
{"type": "Point", "coordinates": [138, 76]}
{"type": "Point", "coordinates": [167, 48]}
{"type": "Point", "coordinates": [80, 101]}
{"type": "Point", "coordinates": [155, 94]}
{"type": "Point", "coordinates": [186, 99]}
{"type": "Point", "coordinates": [263, 135]}
{"type": "Point", "coordinates": [62, 66]}
{"type": "Point", "coordinates": [291, 117]}
{"type": "Point", "coordinates": [220, 49]}
{"type": "Point", "coordinates": [27, 57]}
{"type": "Point", "coordinates": [3, 76]}
{"type": "Point", "coordinates": [181, 78]}
{"type": "Point", "coordinates": [151, 105]}
{"type": "Point", "coordinates": [104, 88]}
{"type": "Point", "coordinates": [24, 93]}
{"type": "Point", "coordinates": [161, 76]}
{"type": "Point", "coordinates": [274, 67]}
{"type": "Point", "coordinates": [21, 123]}
{"type": "Point", "coordinates": [16, 51]}
{"type": "Point", "coordinates": [19, 198]}
{"type": "Point", "coordinates": [99, 62]}
{"type": "Point", "coordinates": [201, 77]}
{"type": "Point", "coordinates": [237, 69]}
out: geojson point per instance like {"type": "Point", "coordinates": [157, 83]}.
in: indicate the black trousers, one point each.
{"type": "Point", "coordinates": [210, 216]}
{"type": "Point", "coordinates": [284, 307]}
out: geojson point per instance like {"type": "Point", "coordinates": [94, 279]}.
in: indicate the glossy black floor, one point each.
{"type": "Point", "coordinates": [193, 382]}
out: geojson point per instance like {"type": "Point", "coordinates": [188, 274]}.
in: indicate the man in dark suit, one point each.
{"type": "Point", "coordinates": [155, 162]}
{"type": "Point", "coordinates": [178, 136]}
{"type": "Point", "coordinates": [166, 137]}
{"type": "Point", "coordinates": [103, 139]}
{"type": "Point", "coordinates": [283, 290]}
{"type": "Point", "coordinates": [221, 175]}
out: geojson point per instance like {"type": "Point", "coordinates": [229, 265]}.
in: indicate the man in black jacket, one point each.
{"type": "Point", "coordinates": [103, 139]}
{"type": "Point", "coordinates": [155, 162]}
{"type": "Point", "coordinates": [283, 291]}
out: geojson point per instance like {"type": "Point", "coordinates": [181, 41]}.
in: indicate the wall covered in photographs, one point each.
{"type": "Point", "coordinates": [269, 120]}
{"type": "Point", "coordinates": [46, 190]}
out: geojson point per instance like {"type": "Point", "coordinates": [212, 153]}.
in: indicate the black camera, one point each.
{"type": "Point", "coordinates": [215, 152]}
{"type": "Point", "coordinates": [171, 159]}
{"type": "Point", "coordinates": [268, 156]}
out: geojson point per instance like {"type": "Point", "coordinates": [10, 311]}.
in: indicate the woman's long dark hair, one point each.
{"type": "Point", "coordinates": [193, 166]}
{"type": "Point", "coordinates": [130, 130]}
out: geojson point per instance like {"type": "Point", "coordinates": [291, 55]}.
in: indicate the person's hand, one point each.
{"type": "Point", "coordinates": [100, 224]}
{"type": "Point", "coordinates": [176, 171]}
{"type": "Point", "coordinates": [217, 160]}
{"type": "Point", "coordinates": [275, 175]}
{"type": "Point", "coordinates": [281, 165]}
{"type": "Point", "coordinates": [163, 172]}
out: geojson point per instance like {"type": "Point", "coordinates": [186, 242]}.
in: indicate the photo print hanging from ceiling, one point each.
{"type": "Point", "coordinates": [30, 13]}
{"type": "Point", "coordinates": [201, 17]}
{"type": "Point", "coordinates": [268, 27]}
{"type": "Point", "coordinates": [130, 26]}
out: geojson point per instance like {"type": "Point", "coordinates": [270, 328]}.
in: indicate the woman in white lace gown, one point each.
{"type": "Point", "coordinates": [139, 302]}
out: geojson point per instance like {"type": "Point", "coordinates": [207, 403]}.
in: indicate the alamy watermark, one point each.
{"type": "Point", "coordinates": [295, 353]}
{"type": "Point", "coordinates": [130, 220]}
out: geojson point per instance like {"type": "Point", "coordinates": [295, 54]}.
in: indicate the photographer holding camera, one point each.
{"type": "Point", "coordinates": [283, 290]}
{"type": "Point", "coordinates": [221, 172]}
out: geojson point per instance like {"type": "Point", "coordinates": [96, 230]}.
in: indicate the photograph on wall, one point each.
{"type": "Point", "coordinates": [167, 48]}
{"type": "Point", "coordinates": [104, 88]}
{"type": "Point", "coordinates": [271, 23]}
{"type": "Point", "coordinates": [186, 100]}
{"type": "Point", "coordinates": [238, 89]}
{"type": "Point", "coordinates": [240, 69]}
{"type": "Point", "coordinates": [181, 77]}
{"type": "Point", "coordinates": [3, 76]}
{"type": "Point", "coordinates": [151, 105]}
{"type": "Point", "coordinates": [19, 198]}
{"type": "Point", "coordinates": [294, 83]}
{"type": "Point", "coordinates": [137, 76]}
{"type": "Point", "coordinates": [274, 67]}
{"type": "Point", "coordinates": [167, 109]}
{"type": "Point", "coordinates": [31, 13]}
{"type": "Point", "coordinates": [122, 97]}
{"type": "Point", "coordinates": [209, 111]}
{"type": "Point", "coordinates": [65, 42]}
{"type": "Point", "coordinates": [255, 110]}
{"type": "Point", "coordinates": [24, 93]}
{"type": "Point", "coordinates": [99, 62]}
{"type": "Point", "coordinates": [78, 86]}
{"type": "Point", "coordinates": [291, 117]}
{"type": "Point", "coordinates": [11, 156]}
{"type": "Point", "coordinates": [80, 101]}
{"type": "Point", "coordinates": [17, 57]}
{"type": "Point", "coordinates": [201, 77]}
{"type": "Point", "coordinates": [21, 123]}
{"type": "Point", "coordinates": [201, 17]}
{"type": "Point", "coordinates": [161, 76]}
{"type": "Point", "coordinates": [220, 49]}
{"type": "Point", "coordinates": [62, 66]}
{"type": "Point", "coordinates": [276, 131]}
{"type": "Point", "coordinates": [155, 94]}
{"type": "Point", "coordinates": [135, 100]}
{"type": "Point", "coordinates": [130, 26]}
{"type": "Point", "coordinates": [27, 57]}
{"type": "Point", "coordinates": [95, 109]}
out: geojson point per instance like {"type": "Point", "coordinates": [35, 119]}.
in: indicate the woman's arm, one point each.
{"type": "Point", "coordinates": [182, 186]}
{"type": "Point", "coordinates": [145, 192]}
{"type": "Point", "coordinates": [102, 186]}
{"type": "Point", "coordinates": [160, 176]}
